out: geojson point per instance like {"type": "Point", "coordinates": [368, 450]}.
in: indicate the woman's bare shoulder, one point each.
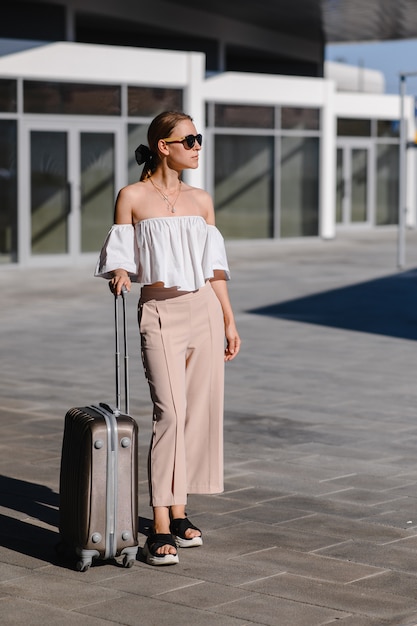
{"type": "Point", "coordinates": [198, 195]}
{"type": "Point", "coordinates": [134, 190]}
{"type": "Point", "coordinates": [196, 191]}
{"type": "Point", "coordinates": [129, 201]}
{"type": "Point", "coordinates": [202, 202]}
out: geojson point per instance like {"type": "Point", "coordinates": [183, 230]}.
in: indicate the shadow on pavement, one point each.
{"type": "Point", "coordinates": [36, 501]}
{"type": "Point", "coordinates": [385, 306]}
{"type": "Point", "coordinates": [26, 538]}
{"type": "Point", "coordinates": [39, 503]}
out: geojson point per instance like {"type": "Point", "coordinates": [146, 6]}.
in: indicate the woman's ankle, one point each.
{"type": "Point", "coordinates": [177, 511]}
{"type": "Point", "coordinates": [161, 520]}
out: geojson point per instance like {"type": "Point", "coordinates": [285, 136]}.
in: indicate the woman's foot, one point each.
{"type": "Point", "coordinates": [160, 549]}
{"type": "Point", "coordinates": [186, 531]}
{"type": "Point", "coordinates": [186, 535]}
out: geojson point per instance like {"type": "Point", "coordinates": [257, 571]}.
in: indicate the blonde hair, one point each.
{"type": "Point", "coordinates": [160, 128]}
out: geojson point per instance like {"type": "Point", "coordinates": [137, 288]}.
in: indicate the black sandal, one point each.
{"type": "Point", "coordinates": [179, 528]}
{"type": "Point", "coordinates": [155, 541]}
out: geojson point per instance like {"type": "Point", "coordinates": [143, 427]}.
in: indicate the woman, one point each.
{"type": "Point", "coordinates": [164, 237]}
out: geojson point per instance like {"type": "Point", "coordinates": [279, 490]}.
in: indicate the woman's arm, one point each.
{"type": "Point", "coordinates": [218, 282]}
{"type": "Point", "coordinates": [219, 285]}
{"type": "Point", "coordinates": [122, 215]}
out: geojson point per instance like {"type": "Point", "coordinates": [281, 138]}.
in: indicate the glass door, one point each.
{"type": "Point", "coordinates": [50, 196]}
{"type": "Point", "coordinates": [353, 183]}
{"type": "Point", "coordinates": [97, 186]}
{"type": "Point", "coordinates": [72, 180]}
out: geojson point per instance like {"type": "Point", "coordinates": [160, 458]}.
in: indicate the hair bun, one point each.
{"type": "Point", "coordinates": [143, 154]}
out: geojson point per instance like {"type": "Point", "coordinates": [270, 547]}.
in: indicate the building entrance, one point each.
{"type": "Point", "coordinates": [354, 183]}
{"type": "Point", "coordinates": [71, 177]}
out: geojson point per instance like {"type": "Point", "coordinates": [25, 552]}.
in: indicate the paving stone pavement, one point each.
{"type": "Point", "coordinates": [318, 521]}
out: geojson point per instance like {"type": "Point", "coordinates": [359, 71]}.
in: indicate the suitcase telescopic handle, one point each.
{"type": "Point", "coordinates": [125, 351]}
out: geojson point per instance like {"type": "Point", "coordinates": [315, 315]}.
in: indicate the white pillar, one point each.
{"type": "Point", "coordinates": [411, 218]}
{"type": "Point", "coordinates": [327, 173]}
{"type": "Point", "coordinates": [194, 105]}
{"type": "Point", "coordinates": [23, 192]}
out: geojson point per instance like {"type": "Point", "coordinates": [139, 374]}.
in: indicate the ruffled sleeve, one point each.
{"type": "Point", "coordinates": [120, 250]}
{"type": "Point", "coordinates": [214, 255]}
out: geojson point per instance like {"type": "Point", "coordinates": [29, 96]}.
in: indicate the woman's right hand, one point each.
{"type": "Point", "coordinates": [120, 279]}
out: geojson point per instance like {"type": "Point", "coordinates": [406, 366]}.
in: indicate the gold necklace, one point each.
{"type": "Point", "coordinates": [171, 205]}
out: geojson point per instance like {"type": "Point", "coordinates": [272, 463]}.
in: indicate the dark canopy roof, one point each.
{"type": "Point", "coordinates": [368, 20]}
{"type": "Point", "coordinates": [338, 20]}
{"type": "Point", "coordinates": [273, 36]}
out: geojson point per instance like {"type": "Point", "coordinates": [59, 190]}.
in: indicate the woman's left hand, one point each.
{"type": "Point", "coordinates": [233, 343]}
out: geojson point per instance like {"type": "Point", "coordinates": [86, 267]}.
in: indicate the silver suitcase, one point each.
{"type": "Point", "coordinates": [99, 476]}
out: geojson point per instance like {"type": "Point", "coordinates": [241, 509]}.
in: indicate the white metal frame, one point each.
{"type": "Point", "coordinates": [73, 128]}
{"type": "Point", "coordinates": [347, 145]}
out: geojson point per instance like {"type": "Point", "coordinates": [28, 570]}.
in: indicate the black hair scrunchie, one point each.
{"type": "Point", "coordinates": [143, 155]}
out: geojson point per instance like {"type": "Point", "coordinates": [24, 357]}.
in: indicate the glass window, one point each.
{"type": "Point", "coordinates": [71, 98]}
{"type": "Point", "coordinates": [388, 128]}
{"type": "Point", "coordinates": [353, 128]}
{"type": "Point", "coordinates": [150, 101]}
{"type": "Point", "coordinates": [50, 198]}
{"type": "Point", "coordinates": [236, 116]}
{"type": "Point", "coordinates": [8, 191]}
{"type": "Point", "coordinates": [387, 184]}
{"type": "Point", "coordinates": [97, 188]}
{"type": "Point", "coordinates": [8, 96]}
{"type": "Point", "coordinates": [299, 186]}
{"type": "Point", "coordinates": [136, 134]}
{"type": "Point", "coordinates": [293, 118]}
{"type": "Point", "coordinates": [243, 194]}
{"type": "Point", "coordinates": [340, 186]}
{"type": "Point", "coordinates": [359, 184]}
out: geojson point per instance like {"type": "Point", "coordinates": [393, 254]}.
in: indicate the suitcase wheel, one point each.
{"type": "Point", "coordinates": [83, 565]}
{"type": "Point", "coordinates": [128, 562]}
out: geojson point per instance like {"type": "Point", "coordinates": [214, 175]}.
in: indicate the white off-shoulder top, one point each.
{"type": "Point", "coordinates": [180, 251]}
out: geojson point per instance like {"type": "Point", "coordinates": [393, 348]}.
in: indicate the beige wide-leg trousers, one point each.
{"type": "Point", "coordinates": [182, 339]}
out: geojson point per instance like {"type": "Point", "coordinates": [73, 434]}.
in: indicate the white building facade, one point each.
{"type": "Point", "coordinates": [283, 156]}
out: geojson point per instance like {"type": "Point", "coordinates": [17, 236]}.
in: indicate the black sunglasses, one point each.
{"type": "Point", "coordinates": [189, 139]}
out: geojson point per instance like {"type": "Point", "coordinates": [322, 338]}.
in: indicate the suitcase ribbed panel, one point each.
{"type": "Point", "coordinates": [84, 461]}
